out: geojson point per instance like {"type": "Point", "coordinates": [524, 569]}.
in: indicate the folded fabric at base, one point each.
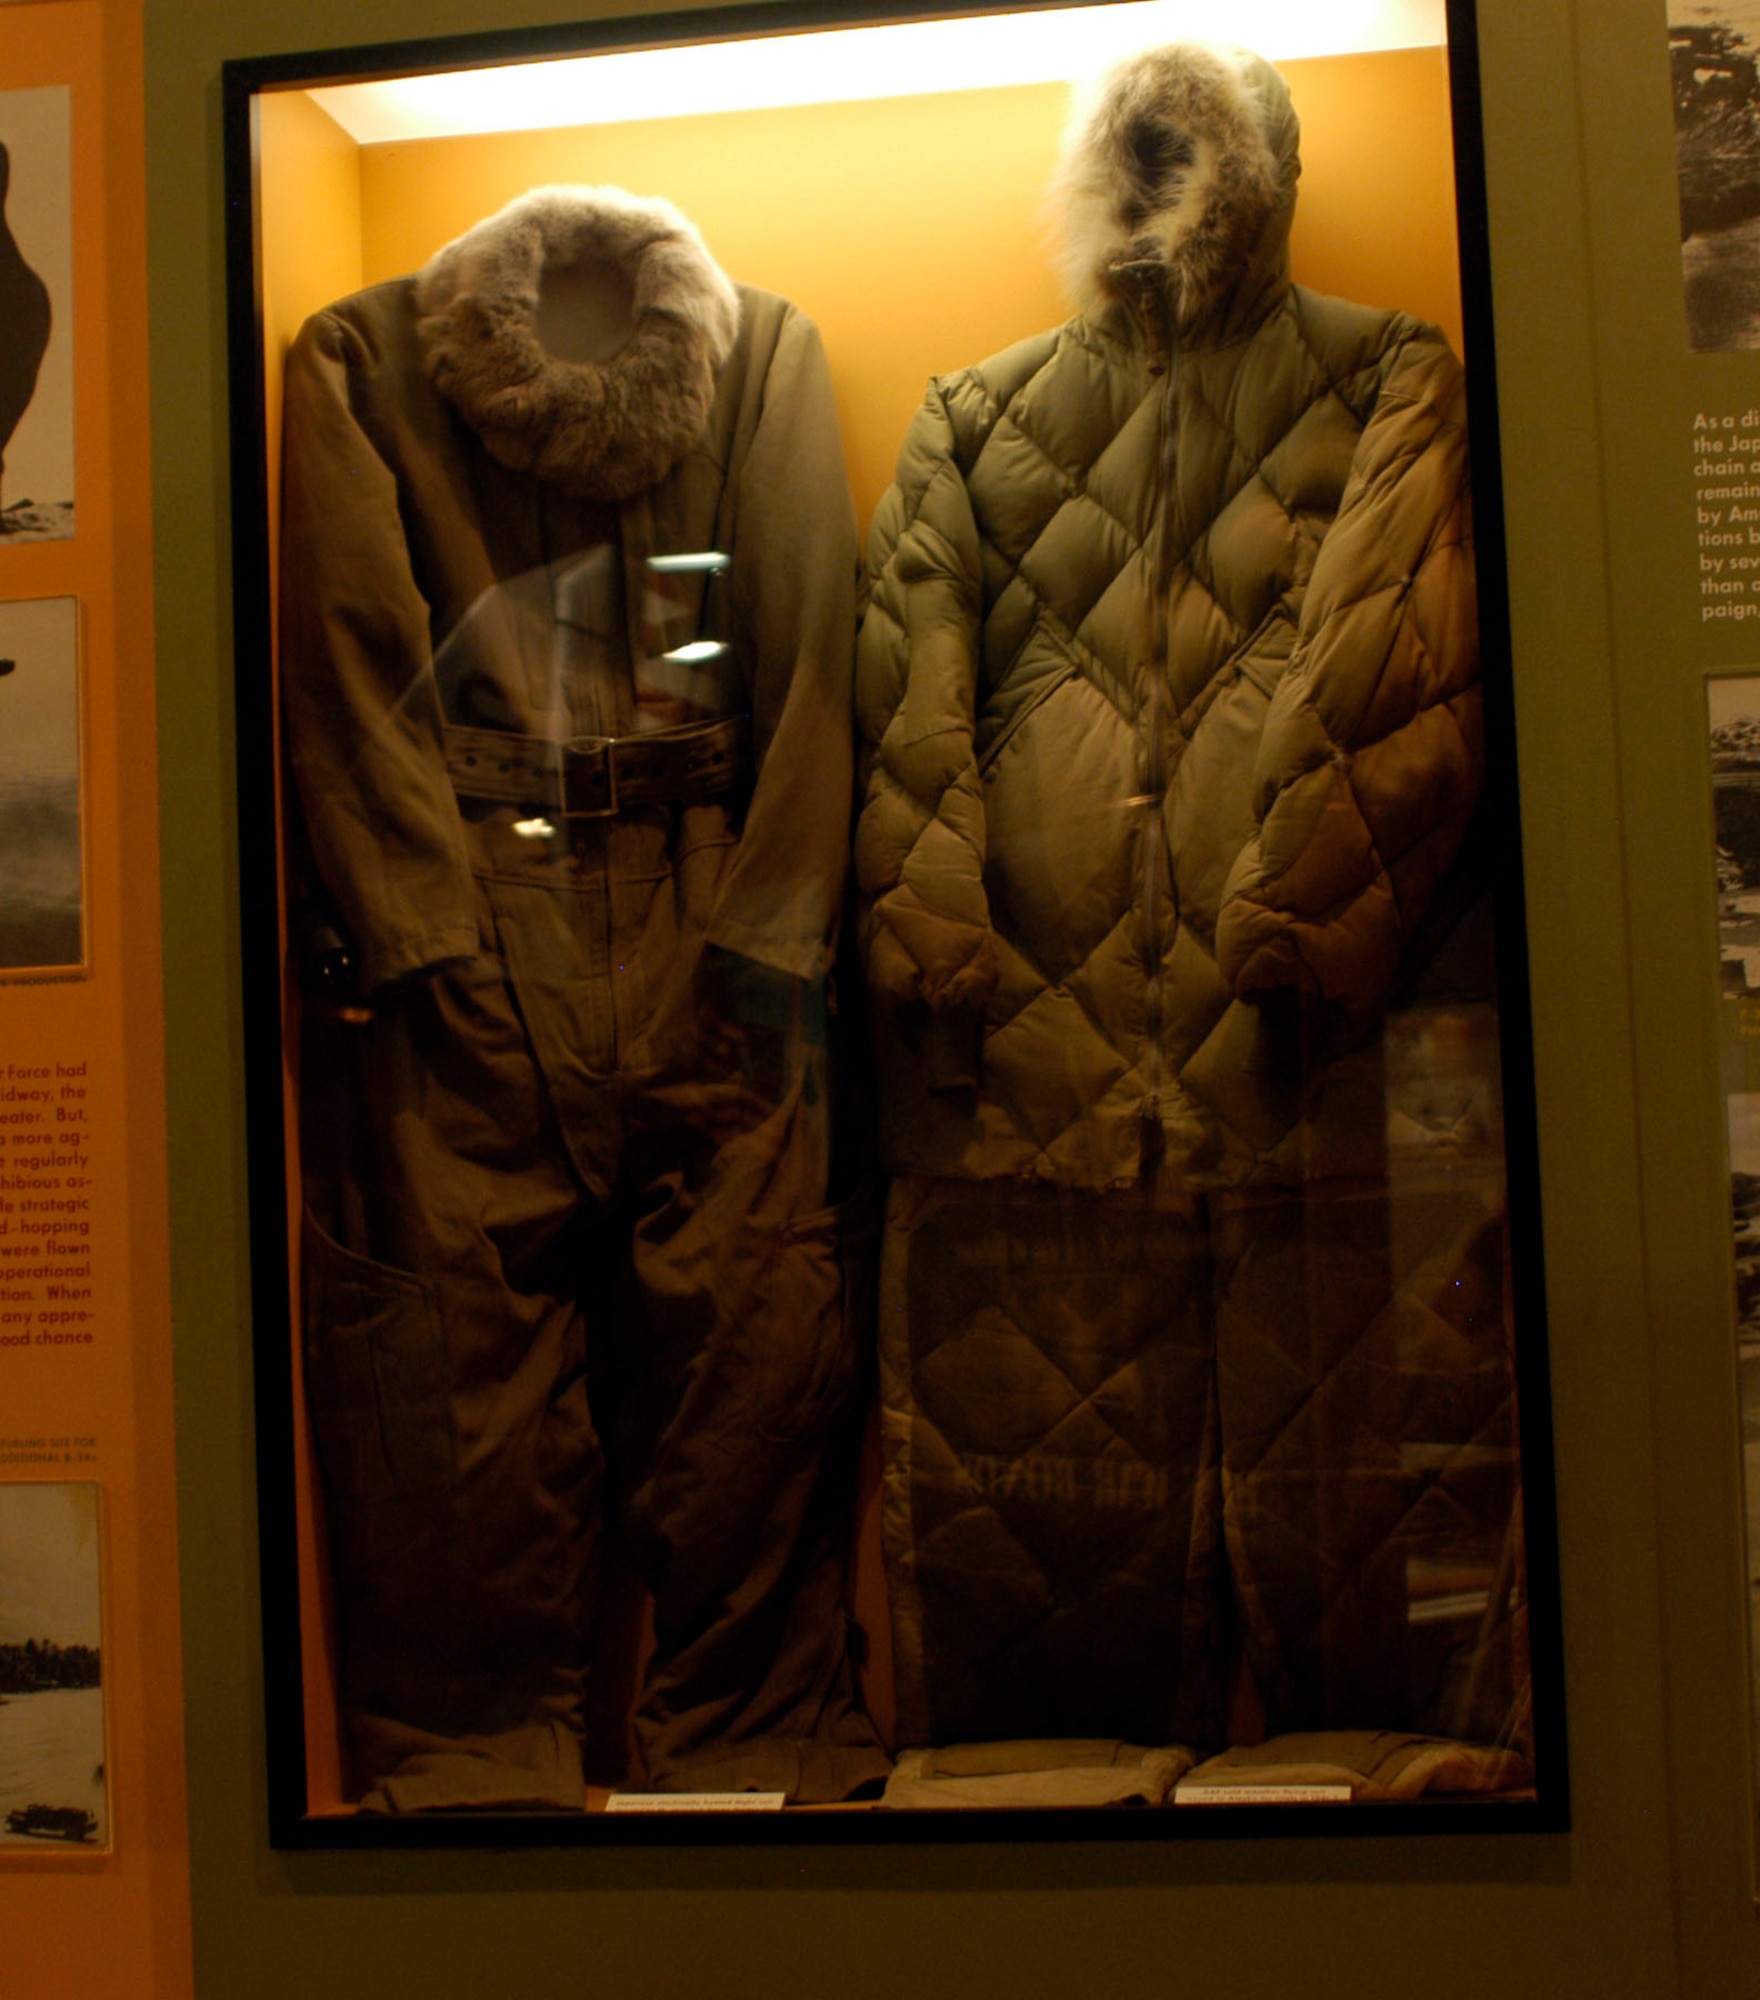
{"type": "Point", "coordinates": [1075, 1771]}
{"type": "Point", "coordinates": [1374, 1763]}
{"type": "Point", "coordinates": [534, 1769]}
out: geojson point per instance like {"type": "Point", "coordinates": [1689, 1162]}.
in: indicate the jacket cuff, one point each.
{"type": "Point", "coordinates": [807, 958]}
{"type": "Point", "coordinates": [387, 959]}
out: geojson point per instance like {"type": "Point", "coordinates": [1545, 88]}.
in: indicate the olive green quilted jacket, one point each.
{"type": "Point", "coordinates": [1169, 679]}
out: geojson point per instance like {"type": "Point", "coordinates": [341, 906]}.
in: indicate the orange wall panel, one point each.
{"type": "Point", "coordinates": [114, 1924]}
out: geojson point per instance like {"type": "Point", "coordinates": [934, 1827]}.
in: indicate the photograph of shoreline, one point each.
{"type": "Point", "coordinates": [42, 918]}
{"type": "Point", "coordinates": [53, 1790]}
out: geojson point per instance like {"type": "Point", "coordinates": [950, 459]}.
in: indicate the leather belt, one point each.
{"type": "Point", "coordinates": [596, 777]}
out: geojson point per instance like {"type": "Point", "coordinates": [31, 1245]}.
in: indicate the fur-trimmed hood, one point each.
{"type": "Point", "coordinates": [604, 430]}
{"type": "Point", "coordinates": [1179, 172]}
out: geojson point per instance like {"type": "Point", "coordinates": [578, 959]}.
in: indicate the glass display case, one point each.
{"type": "Point", "coordinates": [892, 1149]}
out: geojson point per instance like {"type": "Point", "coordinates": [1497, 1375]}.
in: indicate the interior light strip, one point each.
{"type": "Point", "coordinates": [842, 65]}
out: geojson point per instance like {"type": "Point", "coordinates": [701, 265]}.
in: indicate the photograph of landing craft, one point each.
{"type": "Point", "coordinates": [1713, 48]}
{"type": "Point", "coordinates": [53, 1791]}
{"type": "Point", "coordinates": [41, 1822]}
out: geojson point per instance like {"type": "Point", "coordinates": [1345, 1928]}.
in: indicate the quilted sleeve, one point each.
{"type": "Point", "coordinates": [361, 713]}
{"type": "Point", "coordinates": [920, 837]}
{"type": "Point", "coordinates": [1372, 756]}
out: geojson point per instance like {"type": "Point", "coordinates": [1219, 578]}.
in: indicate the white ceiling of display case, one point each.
{"type": "Point", "coordinates": [840, 65]}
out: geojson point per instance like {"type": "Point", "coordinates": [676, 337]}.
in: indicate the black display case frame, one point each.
{"type": "Point", "coordinates": [263, 975]}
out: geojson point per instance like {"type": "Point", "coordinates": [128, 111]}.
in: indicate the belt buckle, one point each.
{"type": "Point", "coordinates": [587, 746]}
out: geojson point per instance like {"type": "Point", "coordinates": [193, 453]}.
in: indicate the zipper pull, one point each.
{"type": "Point", "coordinates": [1149, 276]}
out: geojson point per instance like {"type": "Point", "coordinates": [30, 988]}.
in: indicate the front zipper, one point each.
{"type": "Point", "coordinates": [1152, 724]}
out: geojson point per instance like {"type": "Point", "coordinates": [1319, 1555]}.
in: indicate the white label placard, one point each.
{"type": "Point", "coordinates": [695, 1802]}
{"type": "Point", "coordinates": [1262, 1795]}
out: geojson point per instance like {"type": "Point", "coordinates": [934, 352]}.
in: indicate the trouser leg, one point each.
{"type": "Point", "coordinates": [1465, 1560]}
{"type": "Point", "coordinates": [1313, 1484]}
{"type": "Point", "coordinates": [1368, 1449]}
{"type": "Point", "coordinates": [738, 1455]}
{"type": "Point", "coordinates": [1461, 1537]}
{"type": "Point", "coordinates": [1050, 1508]}
{"type": "Point", "coordinates": [445, 1372]}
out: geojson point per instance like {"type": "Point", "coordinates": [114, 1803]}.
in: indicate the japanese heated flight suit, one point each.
{"type": "Point", "coordinates": [566, 653]}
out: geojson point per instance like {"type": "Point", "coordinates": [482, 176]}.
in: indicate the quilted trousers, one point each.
{"type": "Point", "coordinates": [569, 1254]}
{"type": "Point", "coordinates": [1132, 1438]}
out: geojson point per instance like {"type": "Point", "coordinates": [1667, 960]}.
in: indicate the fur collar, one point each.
{"type": "Point", "coordinates": [1180, 173]}
{"type": "Point", "coordinates": [602, 430]}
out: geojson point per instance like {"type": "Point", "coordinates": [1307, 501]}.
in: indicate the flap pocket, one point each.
{"type": "Point", "coordinates": [1262, 657]}
{"type": "Point", "coordinates": [819, 1295]}
{"type": "Point", "coordinates": [376, 1373]}
{"type": "Point", "coordinates": [1030, 704]}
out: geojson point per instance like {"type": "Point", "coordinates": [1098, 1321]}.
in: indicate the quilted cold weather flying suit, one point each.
{"type": "Point", "coordinates": [571, 1243]}
{"type": "Point", "coordinates": [1192, 1298]}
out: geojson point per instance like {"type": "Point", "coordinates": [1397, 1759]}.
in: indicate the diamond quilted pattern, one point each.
{"type": "Point", "coordinates": [1369, 1440]}
{"type": "Point", "coordinates": [1196, 741]}
{"type": "Point", "coordinates": [987, 1378]}
{"type": "Point", "coordinates": [1056, 875]}
{"type": "Point", "coordinates": [1273, 527]}
{"type": "Point", "coordinates": [1250, 553]}
{"type": "Point", "coordinates": [1063, 1362]}
{"type": "Point", "coordinates": [1056, 1469]}
{"type": "Point", "coordinates": [1307, 468]}
{"type": "Point", "coordinates": [1074, 560]}
{"type": "Point", "coordinates": [1073, 1062]}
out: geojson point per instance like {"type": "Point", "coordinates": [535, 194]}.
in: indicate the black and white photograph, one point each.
{"type": "Point", "coordinates": [42, 917]}
{"type": "Point", "coordinates": [1744, 1162]}
{"type": "Point", "coordinates": [36, 315]}
{"type": "Point", "coordinates": [1734, 704]}
{"type": "Point", "coordinates": [52, 1759]}
{"type": "Point", "coordinates": [1734, 713]}
{"type": "Point", "coordinates": [1712, 47]}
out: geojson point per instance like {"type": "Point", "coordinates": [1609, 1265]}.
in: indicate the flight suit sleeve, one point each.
{"type": "Point", "coordinates": [793, 595]}
{"type": "Point", "coordinates": [1372, 757]}
{"type": "Point", "coordinates": [361, 712]}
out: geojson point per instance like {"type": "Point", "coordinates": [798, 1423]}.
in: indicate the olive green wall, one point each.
{"type": "Point", "coordinates": [1650, 1894]}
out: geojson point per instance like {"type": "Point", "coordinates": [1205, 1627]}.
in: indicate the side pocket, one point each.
{"type": "Point", "coordinates": [376, 1373]}
{"type": "Point", "coordinates": [820, 1298]}
{"type": "Point", "coordinates": [1049, 685]}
